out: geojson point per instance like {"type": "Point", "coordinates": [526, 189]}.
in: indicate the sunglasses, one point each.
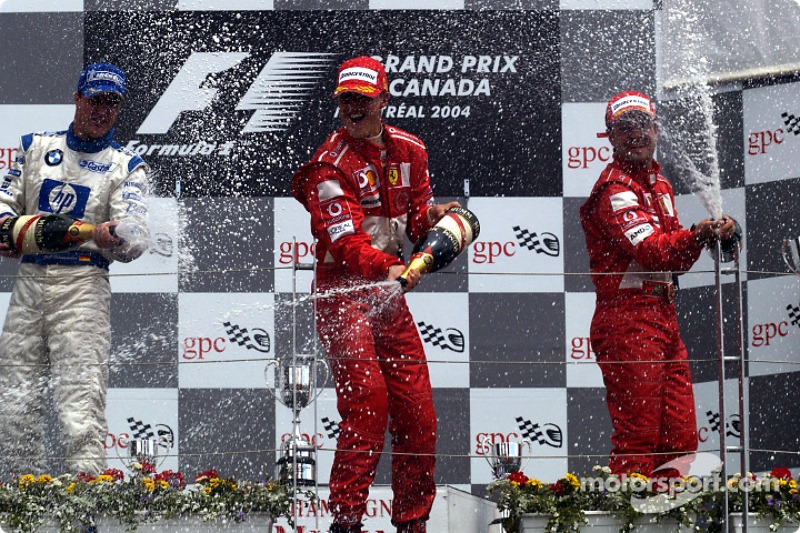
{"type": "Point", "coordinates": [105, 100]}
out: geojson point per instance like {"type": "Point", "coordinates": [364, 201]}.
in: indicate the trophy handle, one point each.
{"type": "Point", "coordinates": [529, 456]}
{"type": "Point", "coordinates": [322, 364]}
{"type": "Point", "coordinates": [791, 247]}
{"type": "Point", "coordinates": [163, 442]}
{"type": "Point", "coordinates": [121, 440]}
{"type": "Point", "coordinates": [273, 380]}
{"type": "Point", "coordinates": [486, 447]}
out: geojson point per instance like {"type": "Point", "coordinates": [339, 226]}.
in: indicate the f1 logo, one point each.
{"type": "Point", "coordinates": [285, 80]}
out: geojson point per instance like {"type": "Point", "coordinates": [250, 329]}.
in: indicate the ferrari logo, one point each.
{"type": "Point", "coordinates": [394, 176]}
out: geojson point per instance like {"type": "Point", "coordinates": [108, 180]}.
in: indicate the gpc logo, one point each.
{"type": "Point", "coordinates": [285, 82]}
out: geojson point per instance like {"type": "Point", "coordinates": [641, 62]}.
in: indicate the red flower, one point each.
{"type": "Point", "coordinates": [148, 468]}
{"type": "Point", "coordinates": [205, 476]}
{"type": "Point", "coordinates": [781, 473]}
{"type": "Point", "coordinates": [83, 476]}
{"type": "Point", "coordinates": [518, 477]}
{"type": "Point", "coordinates": [558, 488]}
{"type": "Point", "coordinates": [175, 479]}
{"type": "Point", "coordinates": [116, 474]}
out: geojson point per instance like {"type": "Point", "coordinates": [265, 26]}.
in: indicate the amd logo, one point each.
{"type": "Point", "coordinates": [276, 96]}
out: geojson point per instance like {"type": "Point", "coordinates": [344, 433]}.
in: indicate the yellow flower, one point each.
{"type": "Point", "coordinates": [44, 478]}
{"type": "Point", "coordinates": [70, 487]}
{"type": "Point", "coordinates": [163, 484]}
{"type": "Point", "coordinates": [26, 481]}
{"type": "Point", "coordinates": [103, 478]}
{"type": "Point", "coordinates": [533, 484]}
{"type": "Point", "coordinates": [573, 480]}
{"type": "Point", "coordinates": [149, 484]}
{"type": "Point", "coordinates": [207, 490]}
{"type": "Point", "coordinates": [214, 482]}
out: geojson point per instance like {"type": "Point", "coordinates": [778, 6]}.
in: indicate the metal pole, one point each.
{"type": "Point", "coordinates": [721, 369]}
{"type": "Point", "coordinates": [744, 395]}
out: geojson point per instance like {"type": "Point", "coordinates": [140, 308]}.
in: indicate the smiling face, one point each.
{"type": "Point", "coordinates": [361, 115]}
{"type": "Point", "coordinates": [95, 116]}
{"type": "Point", "coordinates": [634, 137]}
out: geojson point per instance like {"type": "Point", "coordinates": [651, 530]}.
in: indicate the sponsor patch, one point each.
{"type": "Point", "coordinates": [394, 176]}
{"type": "Point", "coordinates": [368, 180]}
{"type": "Point", "coordinates": [334, 213]}
{"type": "Point", "coordinates": [371, 202]}
{"type": "Point", "coordinates": [359, 73]}
{"type": "Point", "coordinates": [329, 189]}
{"type": "Point", "coordinates": [631, 218]}
{"type": "Point", "coordinates": [666, 205]}
{"type": "Point", "coordinates": [94, 166]}
{"type": "Point", "coordinates": [337, 231]}
{"type": "Point", "coordinates": [623, 201]}
{"type": "Point", "coordinates": [639, 233]}
{"type": "Point", "coordinates": [63, 198]}
{"type": "Point", "coordinates": [53, 157]}
{"type": "Point", "coordinates": [405, 174]}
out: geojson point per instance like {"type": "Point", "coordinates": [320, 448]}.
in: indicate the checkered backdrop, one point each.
{"type": "Point", "coordinates": [509, 96]}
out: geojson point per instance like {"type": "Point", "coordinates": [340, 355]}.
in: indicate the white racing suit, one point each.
{"type": "Point", "coordinates": [57, 332]}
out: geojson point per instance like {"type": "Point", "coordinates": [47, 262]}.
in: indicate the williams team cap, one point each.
{"type": "Point", "coordinates": [101, 78]}
{"type": "Point", "coordinates": [362, 75]}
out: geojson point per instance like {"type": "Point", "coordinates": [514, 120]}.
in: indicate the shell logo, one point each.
{"type": "Point", "coordinates": [367, 179]}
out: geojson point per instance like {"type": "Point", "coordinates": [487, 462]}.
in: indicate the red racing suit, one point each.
{"type": "Point", "coordinates": [362, 200]}
{"type": "Point", "coordinates": [632, 229]}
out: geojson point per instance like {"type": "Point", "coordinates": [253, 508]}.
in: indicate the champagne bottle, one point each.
{"type": "Point", "coordinates": [38, 234]}
{"type": "Point", "coordinates": [443, 242]}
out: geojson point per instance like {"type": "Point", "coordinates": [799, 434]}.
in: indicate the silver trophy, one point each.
{"type": "Point", "coordinates": [293, 382]}
{"type": "Point", "coordinates": [145, 450]}
{"type": "Point", "coordinates": [505, 457]}
{"type": "Point", "coordinates": [790, 250]}
{"type": "Point", "coordinates": [297, 462]}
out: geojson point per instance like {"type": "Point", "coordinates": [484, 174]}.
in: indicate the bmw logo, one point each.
{"type": "Point", "coordinates": [53, 157]}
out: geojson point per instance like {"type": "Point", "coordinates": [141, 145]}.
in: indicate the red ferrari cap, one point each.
{"type": "Point", "coordinates": [625, 102]}
{"type": "Point", "coordinates": [362, 75]}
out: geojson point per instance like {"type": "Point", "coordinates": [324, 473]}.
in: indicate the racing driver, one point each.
{"type": "Point", "coordinates": [58, 322]}
{"type": "Point", "coordinates": [636, 244]}
{"type": "Point", "coordinates": [365, 187]}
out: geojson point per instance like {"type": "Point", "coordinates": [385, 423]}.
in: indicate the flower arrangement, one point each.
{"type": "Point", "coordinates": [694, 503]}
{"type": "Point", "coordinates": [142, 496]}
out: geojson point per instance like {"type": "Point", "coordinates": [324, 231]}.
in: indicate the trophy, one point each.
{"type": "Point", "coordinates": [297, 462]}
{"type": "Point", "coordinates": [34, 234]}
{"type": "Point", "coordinates": [790, 250]}
{"type": "Point", "coordinates": [443, 242]}
{"type": "Point", "coordinates": [293, 384]}
{"type": "Point", "coordinates": [145, 450]}
{"type": "Point", "coordinates": [505, 457]}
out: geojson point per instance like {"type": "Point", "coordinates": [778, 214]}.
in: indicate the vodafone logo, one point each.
{"type": "Point", "coordinates": [335, 209]}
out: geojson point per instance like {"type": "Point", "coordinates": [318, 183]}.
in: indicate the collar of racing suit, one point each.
{"type": "Point", "coordinates": [644, 177]}
{"type": "Point", "coordinates": [90, 146]}
{"type": "Point", "coordinates": [366, 147]}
